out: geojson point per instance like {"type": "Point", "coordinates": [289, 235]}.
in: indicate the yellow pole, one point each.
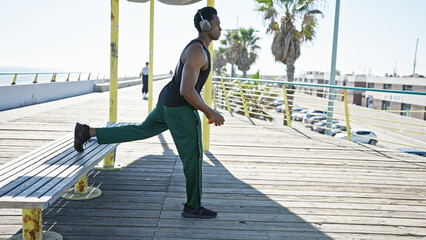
{"type": "Point", "coordinates": [226, 96]}
{"type": "Point", "coordinates": [32, 224]}
{"type": "Point", "coordinates": [348, 126]}
{"type": "Point", "coordinates": [81, 186]}
{"type": "Point", "coordinates": [68, 78]}
{"type": "Point", "coordinates": [287, 109]}
{"type": "Point", "coordinates": [151, 56]}
{"type": "Point", "coordinates": [208, 96]}
{"type": "Point", "coordinates": [79, 76]}
{"type": "Point", "coordinates": [14, 79]}
{"type": "Point", "coordinates": [113, 62]}
{"type": "Point", "coordinates": [214, 97]}
{"type": "Point", "coordinates": [244, 100]}
{"type": "Point", "coordinates": [82, 191]}
{"type": "Point", "coordinates": [109, 160]}
{"type": "Point", "coordinates": [88, 78]}
{"type": "Point", "coordinates": [35, 80]}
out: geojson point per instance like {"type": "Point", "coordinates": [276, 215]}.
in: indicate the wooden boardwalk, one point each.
{"type": "Point", "coordinates": [265, 181]}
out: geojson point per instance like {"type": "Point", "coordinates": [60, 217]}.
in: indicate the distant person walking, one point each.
{"type": "Point", "coordinates": [145, 73]}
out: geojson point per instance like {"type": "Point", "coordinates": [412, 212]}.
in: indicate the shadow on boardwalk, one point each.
{"type": "Point", "coordinates": [143, 201]}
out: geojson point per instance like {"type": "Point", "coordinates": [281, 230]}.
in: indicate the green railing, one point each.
{"type": "Point", "coordinates": [286, 101]}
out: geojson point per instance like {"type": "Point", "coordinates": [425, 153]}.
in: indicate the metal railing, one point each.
{"type": "Point", "coordinates": [293, 102]}
{"type": "Point", "coordinates": [27, 78]}
{"type": "Point", "coordinates": [43, 77]}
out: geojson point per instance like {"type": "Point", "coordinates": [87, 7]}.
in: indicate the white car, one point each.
{"type": "Point", "coordinates": [276, 102]}
{"type": "Point", "coordinates": [293, 110]}
{"type": "Point", "coordinates": [360, 135]}
{"type": "Point", "coordinates": [298, 116]}
{"type": "Point", "coordinates": [280, 108]}
{"type": "Point", "coordinates": [322, 126]}
{"type": "Point", "coordinates": [312, 113]}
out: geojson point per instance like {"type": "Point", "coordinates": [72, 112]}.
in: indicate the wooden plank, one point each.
{"type": "Point", "coordinates": [246, 233]}
{"type": "Point", "coordinates": [35, 158]}
{"type": "Point", "coordinates": [89, 232]}
{"type": "Point", "coordinates": [32, 158]}
{"type": "Point", "coordinates": [291, 227]}
{"type": "Point", "coordinates": [35, 174]}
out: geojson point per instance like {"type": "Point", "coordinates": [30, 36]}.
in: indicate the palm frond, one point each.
{"type": "Point", "coordinates": [315, 11]}
{"type": "Point", "coordinates": [297, 24]}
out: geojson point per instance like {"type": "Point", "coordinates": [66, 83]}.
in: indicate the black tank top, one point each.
{"type": "Point", "coordinates": [170, 95]}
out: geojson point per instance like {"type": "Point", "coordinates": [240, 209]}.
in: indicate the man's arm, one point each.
{"type": "Point", "coordinates": [195, 59]}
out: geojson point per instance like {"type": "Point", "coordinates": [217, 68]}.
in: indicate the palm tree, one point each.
{"type": "Point", "coordinates": [219, 60]}
{"type": "Point", "coordinates": [231, 43]}
{"type": "Point", "coordinates": [247, 50]}
{"type": "Point", "coordinates": [282, 16]}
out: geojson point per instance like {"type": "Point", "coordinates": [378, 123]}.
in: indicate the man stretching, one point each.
{"type": "Point", "coordinates": [177, 110]}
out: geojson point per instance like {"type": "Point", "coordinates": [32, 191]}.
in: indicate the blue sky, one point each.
{"type": "Point", "coordinates": [375, 36]}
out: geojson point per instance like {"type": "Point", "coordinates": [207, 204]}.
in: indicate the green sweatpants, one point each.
{"type": "Point", "coordinates": [184, 125]}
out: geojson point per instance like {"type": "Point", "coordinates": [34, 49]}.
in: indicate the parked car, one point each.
{"type": "Point", "coordinates": [276, 103]}
{"type": "Point", "coordinates": [282, 109]}
{"type": "Point", "coordinates": [318, 112]}
{"type": "Point", "coordinates": [360, 135]}
{"type": "Point", "coordinates": [298, 116]}
{"type": "Point", "coordinates": [319, 127]}
{"type": "Point", "coordinates": [413, 151]}
{"type": "Point", "coordinates": [315, 119]}
{"type": "Point", "coordinates": [312, 113]}
{"type": "Point", "coordinates": [335, 127]}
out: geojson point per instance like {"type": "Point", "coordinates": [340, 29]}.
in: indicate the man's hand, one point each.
{"type": "Point", "coordinates": [215, 118]}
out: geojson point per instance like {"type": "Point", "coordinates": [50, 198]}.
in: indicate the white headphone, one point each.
{"type": "Point", "coordinates": [204, 23]}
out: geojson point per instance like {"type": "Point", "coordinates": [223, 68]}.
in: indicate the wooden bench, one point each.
{"type": "Point", "coordinates": [37, 179]}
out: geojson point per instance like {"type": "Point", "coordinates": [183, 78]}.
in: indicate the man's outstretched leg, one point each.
{"type": "Point", "coordinates": [153, 125]}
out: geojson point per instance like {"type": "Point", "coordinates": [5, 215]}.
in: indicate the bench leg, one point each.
{"type": "Point", "coordinates": [32, 227]}
{"type": "Point", "coordinates": [82, 191]}
{"type": "Point", "coordinates": [109, 163]}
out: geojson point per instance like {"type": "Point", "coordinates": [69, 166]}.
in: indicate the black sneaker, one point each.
{"type": "Point", "coordinates": [81, 135]}
{"type": "Point", "coordinates": [189, 212]}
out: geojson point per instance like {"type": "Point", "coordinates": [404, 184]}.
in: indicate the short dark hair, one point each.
{"type": "Point", "coordinates": [207, 13]}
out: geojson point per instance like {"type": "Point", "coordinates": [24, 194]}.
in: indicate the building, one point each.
{"type": "Point", "coordinates": [371, 99]}
{"type": "Point", "coordinates": [394, 101]}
